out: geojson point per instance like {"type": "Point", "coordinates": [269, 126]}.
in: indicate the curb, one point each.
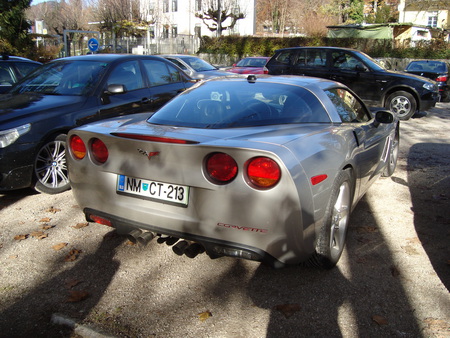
{"type": "Point", "coordinates": [84, 331]}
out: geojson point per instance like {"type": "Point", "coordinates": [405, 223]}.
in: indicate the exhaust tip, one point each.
{"type": "Point", "coordinates": [193, 250]}
{"type": "Point", "coordinates": [145, 238]}
{"type": "Point", "coordinates": [133, 236]}
{"type": "Point", "coordinates": [180, 247]}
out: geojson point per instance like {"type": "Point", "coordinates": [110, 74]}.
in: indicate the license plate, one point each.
{"type": "Point", "coordinates": [153, 190]}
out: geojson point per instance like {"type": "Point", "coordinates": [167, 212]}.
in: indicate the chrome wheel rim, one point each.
{"type": "Point", "coordinates": [50, 165]}
{"type": "Point", "coordinates": [339, 221]}
{"type": "Point", "coordinates": [400, 105]}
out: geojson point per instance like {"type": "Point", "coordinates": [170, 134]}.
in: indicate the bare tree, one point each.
{"type": "Point", "coordinates": [220, 15]}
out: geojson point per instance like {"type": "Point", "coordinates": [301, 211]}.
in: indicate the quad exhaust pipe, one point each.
{"type": "Point", "coordinates": [183, 247]}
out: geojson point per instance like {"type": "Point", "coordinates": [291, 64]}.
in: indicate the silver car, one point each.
{"type": "Point", "coordinates": [196, 67]}
{"type": "Point", "coordinates": [261, 168]}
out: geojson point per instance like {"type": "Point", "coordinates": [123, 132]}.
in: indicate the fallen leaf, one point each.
{"type": "Point", "coordinates": [72, 255]}
{"type": "Point", "coordinates": [39, 234]}
{"type": "Point", "coordinates": [46, 227]}
{"type": "Point", "coordinates": [53, 210]}
{"type": "Point", "coordinates": [77, 296]}
{"type": "Point", "coordinates": [59, 246]}
{"type": "Point", "coordinates": [410, 250]}
{"type": "Point", "coordinates": [13, 257]}
{"type": "Point", "coordinates": [380, 320]}
{"type": "Point", "coordinates": [20, 237]}
{"type": "Point", "coordinates": [80, 225]}
{"type": "Point", "coordinates": [395, 271]}
{"type": "Point", "coordinates": [436, 324]}
{"type": "Point", "coordinates": [45, 220]}
{"type": "Point", "coordinates": [414, 240]}
{"type": "Point", "coordinates": [367, 229]}
{"type": "Point", "coordinates": [288, 309]}
{"type": "Point", "coordinates": [204, 315]}
{"type": "Point", "coordinates": [70, 283]}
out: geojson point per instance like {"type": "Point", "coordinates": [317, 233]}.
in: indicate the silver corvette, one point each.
{"type": "Point", "coordinates": [261, 168]}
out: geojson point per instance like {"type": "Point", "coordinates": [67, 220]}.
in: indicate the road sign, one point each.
{"type": "Point", "coordinates": [93, 45]}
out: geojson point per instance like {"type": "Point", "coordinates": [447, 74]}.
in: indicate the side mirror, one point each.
{"type": "Point", "coordinates": [115, 89]}
{"type": "Point", "coordinates": [383, 116]}
{"type": "Point", "coordinates": [360, 68]}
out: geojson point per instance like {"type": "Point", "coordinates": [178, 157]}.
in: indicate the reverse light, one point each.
{"type": "Point", "coordinates": [77, 147]}
{"type": "Point", "coordinates": [99, 151]}
{"type": "Point", "coordinates": [10, 136]}
{"type": "Point", "coordinates": [221, 168]}
{"type": "Point", "coordinates": [263, 172]}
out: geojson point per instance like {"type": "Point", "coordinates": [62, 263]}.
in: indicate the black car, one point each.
{"type": "Point", "coordinates": [435, 70]}
{"type": "Point", "coordinates": [13, 68]}
{"type": "Point", "coordinates": [37, 113]}
{"type": "Point", "coordinates": [403, 94]}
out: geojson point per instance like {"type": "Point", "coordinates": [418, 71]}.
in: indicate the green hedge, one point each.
{"type": "Point", "coordinates": [242, 46]}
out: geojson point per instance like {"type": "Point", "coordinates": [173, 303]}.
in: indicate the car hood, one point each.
{"type": "Point", "coordinates": [408, 75]}
{"type": "Point", "coordinates": [29, 104]}
{"type": "Point", "coordinates": [271, 134]}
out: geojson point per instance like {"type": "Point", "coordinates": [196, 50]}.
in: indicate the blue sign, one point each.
{"type": "Point", "coordinates": [93, 45]}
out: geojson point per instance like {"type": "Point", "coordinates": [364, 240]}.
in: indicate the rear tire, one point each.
{"type": "Point", "coordinates": [333, 233]}
{"type": "Point", "coordinates": [50, 167]}
{"type": "Point", "coordinates": [403, 104]}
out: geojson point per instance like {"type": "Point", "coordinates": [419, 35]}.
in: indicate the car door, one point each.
{"type": "Point", "coordinates": [135, 97]}
{"type": "Point", "coordinates": [372, 139]}
{"type": "Point", "coordinates": [348, 69]}
{"type": "Point", "coordinates": [165, 81]}
{"type": "Point", "coordinates": [281, 63]}
{"type": "Point", "coordinates": [311, 62]}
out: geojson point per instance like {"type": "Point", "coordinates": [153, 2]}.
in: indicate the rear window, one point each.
{"type": "Point", "coordinates": [225, 104]}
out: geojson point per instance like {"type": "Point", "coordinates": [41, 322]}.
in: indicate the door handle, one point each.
{"type": "Point", "coordinates": [146, 100]}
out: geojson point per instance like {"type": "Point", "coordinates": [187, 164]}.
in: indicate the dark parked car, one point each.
{"type": "Point", "coordinates": [266, 168]}
{"type": "Point", "coordinates": [13, 68]}
{"type": "Point", "coordinates": [37, 113]}
{"type": "Point", "coordinates": [195, 67]}
{"type": "Point", "coordinates": [403, 94]}
{"type": "Point", "coordinates": [435, 70]}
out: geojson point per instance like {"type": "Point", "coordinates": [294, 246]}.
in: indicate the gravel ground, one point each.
{"type": "Point", "coordinates": [58, 271]}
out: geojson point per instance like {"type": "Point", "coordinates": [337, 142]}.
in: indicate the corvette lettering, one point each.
{"type": "Point", "coordinates": [237, 227]}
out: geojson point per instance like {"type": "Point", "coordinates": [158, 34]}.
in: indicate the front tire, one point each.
{"type": "Point", "coordinates": [50, 167]}
{"type": "Point", "coordinates": [333, 233]}
{"type": "Point", "coordinates": [392, 157]}
{"type": "Point", "coordinates": [403, 104]}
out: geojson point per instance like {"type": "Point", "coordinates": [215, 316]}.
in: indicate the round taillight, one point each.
{"type": "Point", "coordinates": [263, 172]}
{"type": "Point", "coordinates": [99, 151]}
{"type": "Point", "coordinates": [77, 147]}
{"type": "Point", "coordinates": [221, 168]}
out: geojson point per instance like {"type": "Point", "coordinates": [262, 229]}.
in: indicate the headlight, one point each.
{"type": "Point", "coordinates": [9, 136]}
{"type": "Point", "coordinates": [430, 86]}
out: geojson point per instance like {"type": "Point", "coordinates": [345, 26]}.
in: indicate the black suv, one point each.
{"type": "Point", "coordinates": [402, 93]}
{"type": "Point", "coordinates": [13, 68]}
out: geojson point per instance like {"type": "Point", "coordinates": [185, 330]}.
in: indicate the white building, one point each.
{"type": "Point", "coordinates": [171, 18]}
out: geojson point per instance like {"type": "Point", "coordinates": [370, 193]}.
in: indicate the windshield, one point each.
{"type": "Point", "coordinates": [221, 104]}
{"type": "Point", "coordinates": [63, 78]}
{"type": "Point", "coordinates": [198, 65]}
{"type": "Point", "coordinates": [251, 62]}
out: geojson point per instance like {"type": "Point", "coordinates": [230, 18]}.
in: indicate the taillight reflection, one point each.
{"type": "Point", "coordinates": [263, 172]}
{"type": "Point", "coordinates": [77, 147]}
{"type": "Point", "coordinates": [221, 168]}
{"type": "Point", "coordinates": [99, 151]}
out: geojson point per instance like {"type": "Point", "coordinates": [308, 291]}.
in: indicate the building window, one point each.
{"type": "Point", "coordinates": [174, 5]}
{"type": "Point", "coordinates": [198, 31]}
{"type": "Point", "coordinates": [165, 32]}
{"type": "Point", "coordinates": [198, 5]}
{"type": "Point", "coordinates": [432, 19]}
{"type": "Point", "coordinates": [165, 6]}
{"type": "Point", "coordinates": [174, 31]}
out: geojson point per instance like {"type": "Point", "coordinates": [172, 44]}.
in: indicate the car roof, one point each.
{"type": "Point", "coordinates": [303, 81]}
{"type": "Point", "coordinates": [16, 58]}
{"type": "Point", "coordinates": [181, 56]}
{"type": "Point", "coordinates": [321, 47]}
{"type": "Point", "coordinates": [108, 57]}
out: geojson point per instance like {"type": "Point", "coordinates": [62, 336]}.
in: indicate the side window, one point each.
{"type": "Point", "coordinates": [175, 75]}
{"type": "Point", "coordinates": [316, 58]}
{"type": "Point", "coordinates": [127, 74]}
{"type": "Point", "coordinates": [344, 60]}
{"type": "Point", "coordinates": [285, 57]}
{"type": "Point", "coordinates": [25, 67]}
{"type": "Point", "coordinates": [5, 75]}
{"type": "Point", "coordinates": [158, 72]}
{"type": "Point", "coordinates": [178, 63]}
{"type": "Point", "coordinates": [348, 106]}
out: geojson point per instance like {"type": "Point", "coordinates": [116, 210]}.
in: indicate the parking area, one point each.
{"type": "Point", "coordinates": [393, 279]}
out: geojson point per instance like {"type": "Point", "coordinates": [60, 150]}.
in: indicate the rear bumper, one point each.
{"type": "Point", "coordinates": [214, 248]}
